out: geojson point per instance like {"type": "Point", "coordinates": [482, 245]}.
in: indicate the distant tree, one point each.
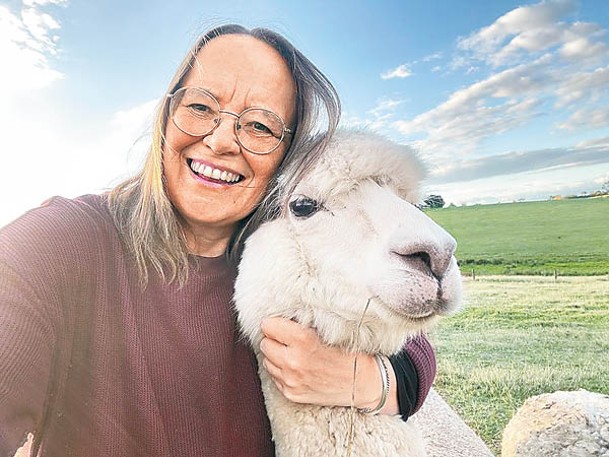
{"type": "Point", "coordinates": [434, 201]}
{"type": "Point", "coordinates": [605, 187]}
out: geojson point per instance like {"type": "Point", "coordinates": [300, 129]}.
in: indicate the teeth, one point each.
{"type": "Point", "coordinates": [214, 173]}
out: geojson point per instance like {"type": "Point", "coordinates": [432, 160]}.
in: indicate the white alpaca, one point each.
{"type": "Point", "coordinates": [349, 234]}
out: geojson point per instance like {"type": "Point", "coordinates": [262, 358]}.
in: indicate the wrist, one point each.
{"type": "Point", "coordinates": [378, 385]}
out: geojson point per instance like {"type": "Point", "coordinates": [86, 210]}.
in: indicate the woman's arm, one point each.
{"type": "Point", "coordinates": [415, 369]}
{"type": "Point", "coordinates": [41, 258]}
{"type": "Point", "coordinates": [307, 371]}
{"type": "Point", "coordinates": [27, 339]}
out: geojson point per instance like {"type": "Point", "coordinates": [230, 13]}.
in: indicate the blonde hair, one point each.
{"type": "Point", "coordinates": [145, 217]}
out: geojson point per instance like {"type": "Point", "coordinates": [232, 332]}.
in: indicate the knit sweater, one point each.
{"type": "Point", "coordinates": [94, 364]}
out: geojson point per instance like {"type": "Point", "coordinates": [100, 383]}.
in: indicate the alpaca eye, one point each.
{"type": "Point", "coordinates": [303, 206]}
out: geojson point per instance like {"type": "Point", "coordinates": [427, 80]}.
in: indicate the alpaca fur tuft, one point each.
{"type": "Point", "coordinates": [367, 245]}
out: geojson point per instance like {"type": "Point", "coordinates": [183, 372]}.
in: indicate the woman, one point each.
{"type": "Point", "coordinates": [116, 331]}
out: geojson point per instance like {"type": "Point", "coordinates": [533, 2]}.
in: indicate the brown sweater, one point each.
{"type": "Point", "coordinates": [94, 365]}
{"type": "Point", "coordinates": [100, 367]}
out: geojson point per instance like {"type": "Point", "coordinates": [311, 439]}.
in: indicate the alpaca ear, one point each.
{"type": "Point", "coordinates": [302, 206]}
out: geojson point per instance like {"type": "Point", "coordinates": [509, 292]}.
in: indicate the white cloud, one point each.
{"type": "Point", "coordinates": [434, 56]}
{"type": "Point", "coordinates": [45, 2]}
{"type": "Point", "coordinates": [503, 101]}
{"type": "Point", "coordinates": [601, 180]}
{"type": "Point", "coordinates": [587, 118]}
{"type": "Point", "coordinates": [579, 86]}
{"type": "Point", "coordinates": [377, 119]}
{"type": "Point", "coordinates": [39, 24]}
{"type": "Point", "coordinates": [581, 41]}
{"type": "Point", "coordinates": [45, 161]}
{"type": "Point", "coordinates": [594, 142]}
{"type": "Point", "coordinates": [61, 160]}
{"type": "Point", "coordinates": [530, 28]}
{"type": "Point", "coordinates": [533, 59]}
{"type": "Point", "coordinates": [534, 29]}
{"type": "Point", "coordinates": [400, 72]}
{"type": "Point", "coordinates": [27, 41]}
{"type": "Point", "coordinates": [537, 185]}
{"type": "Point", "coordinates": [55, 158]}
{"type": "Point", "coordinates": [385, 105]}
{"type": "Point", "coordinates": [468, 169]}
{"type": "Point", "coordinates": [129, 138]}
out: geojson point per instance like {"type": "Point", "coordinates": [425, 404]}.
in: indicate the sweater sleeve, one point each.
{"type": "Point", "coordinates": [41, 258]}
{"type": "Point", "coordinates": [27, 340]}
{"type": "Point", "coordinates": [415, 370]}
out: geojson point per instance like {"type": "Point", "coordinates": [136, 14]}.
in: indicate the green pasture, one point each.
{"type": "Point", "coordinates": [521, 336]}
{"type": "Point", "coordinates": [566, 237]}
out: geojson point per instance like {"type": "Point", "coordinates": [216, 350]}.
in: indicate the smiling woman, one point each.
{"type": "Point", "coordinates": [117, 331]}
{"type": "Point", "coordinates": [243, 73]}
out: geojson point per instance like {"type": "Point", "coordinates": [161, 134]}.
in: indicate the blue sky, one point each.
{"type": "Point", "coordinates": [504, 100]}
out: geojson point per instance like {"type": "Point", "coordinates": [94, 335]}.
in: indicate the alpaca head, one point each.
{"type": "Point", "coordinates": [351, 242]}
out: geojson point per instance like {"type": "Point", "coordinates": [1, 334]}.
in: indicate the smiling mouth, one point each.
{"type": "Point", "coordinates": [214, 174]}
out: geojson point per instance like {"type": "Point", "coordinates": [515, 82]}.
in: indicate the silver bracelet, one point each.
{"type": "Point", "coordinates": [380, 361]}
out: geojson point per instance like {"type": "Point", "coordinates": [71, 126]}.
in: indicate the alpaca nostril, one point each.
{"type": "Point", "coordinates": [428, 258]}
{"type": "Point", "coordinates": [420, 259]}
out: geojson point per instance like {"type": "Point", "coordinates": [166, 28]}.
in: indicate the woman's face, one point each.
{"type": "Point", "coordinates": [241, 72]}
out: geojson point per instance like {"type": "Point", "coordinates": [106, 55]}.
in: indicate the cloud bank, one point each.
{"type": "Point", "coordinates": [534, 66]}
{"type": "Point", "coordinates": [28, 40]}
{"type": "Point", "coordinates": [537, 62]}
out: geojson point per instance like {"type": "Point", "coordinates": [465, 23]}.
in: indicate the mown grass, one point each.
{"type": "Point", "coordinates": [569, 237]}
{"type": "Point", "coordinates": [518, 337]}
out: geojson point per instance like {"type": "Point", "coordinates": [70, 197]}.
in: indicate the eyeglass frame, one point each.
{"type": "Point", "coordinates": [222, 111]}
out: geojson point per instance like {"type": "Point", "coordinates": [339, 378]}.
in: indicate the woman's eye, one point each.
{"type": "Point", "coordinates": [259, 128]}
{"type": "Point", "coordinates": [199, 108]}
{"type": "Point", "coordinates": [304, 207]}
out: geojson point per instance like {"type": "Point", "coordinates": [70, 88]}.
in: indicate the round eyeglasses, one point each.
{"type": "Point", "coordinates": [196, 112]}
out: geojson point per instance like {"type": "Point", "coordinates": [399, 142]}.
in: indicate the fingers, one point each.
{"type": "Point", "coordinates": [285, 330]}
{"type": "Point", "coordinates": [275, 362]}
{"type": "Point", "coordinates": [307, 371]}
{"type": "Point", "coordinates": [273, 350]}
{"type": "Point", "coordinates": [275, 373]}
{"type": "Point", "coordinates": [286, 349]}
{"type": "Point", "coordinates": [303, 368]}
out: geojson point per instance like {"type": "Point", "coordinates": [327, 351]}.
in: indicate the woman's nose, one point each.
{"type": "Point", "coordinates": [223, 139]}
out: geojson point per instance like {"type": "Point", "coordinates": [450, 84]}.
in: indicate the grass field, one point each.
{"type": "Point", "coordinates": [570, 237]}
{"type": "Point", "coordinates": [518, 337]}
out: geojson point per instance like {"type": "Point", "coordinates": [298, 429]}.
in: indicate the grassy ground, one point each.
{"type": "Point", "coordinates": [518, 337]}
{"type": "Point", "coordinates": [568, 236]}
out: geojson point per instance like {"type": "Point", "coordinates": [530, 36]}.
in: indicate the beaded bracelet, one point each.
{"type": "Point", "coordinates": [385, 392]}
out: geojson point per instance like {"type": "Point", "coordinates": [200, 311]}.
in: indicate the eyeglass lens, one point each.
{"type": "Point", "coordinates": [196, 112]}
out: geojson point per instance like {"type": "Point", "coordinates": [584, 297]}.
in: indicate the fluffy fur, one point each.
{"type": "Point", "coordinates": [365, 241]}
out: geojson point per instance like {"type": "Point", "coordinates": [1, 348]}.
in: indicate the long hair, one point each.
{"type": "Point", "coordinates": [145, 217]}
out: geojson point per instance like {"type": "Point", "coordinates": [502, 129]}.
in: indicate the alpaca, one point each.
{"type": "Point", "coordinates": [349, 238]}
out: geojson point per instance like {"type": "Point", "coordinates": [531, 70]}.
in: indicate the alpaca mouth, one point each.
{"type": "Point", "coordinates": [214, 174]}
{"type": "Point", "coordinates": [413, 308]}
{"type": "Point", "coordinates": [420, 317]}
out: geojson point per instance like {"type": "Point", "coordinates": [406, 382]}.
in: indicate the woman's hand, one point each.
{"type": "Point", "coordinates": [307, 371]}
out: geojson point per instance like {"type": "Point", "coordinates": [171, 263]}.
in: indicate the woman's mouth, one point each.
{"type": "Point", "coordinates": [210, 173]}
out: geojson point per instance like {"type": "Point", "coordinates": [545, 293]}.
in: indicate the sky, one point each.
{"type": "Point", "coordinates": [503, 100]}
